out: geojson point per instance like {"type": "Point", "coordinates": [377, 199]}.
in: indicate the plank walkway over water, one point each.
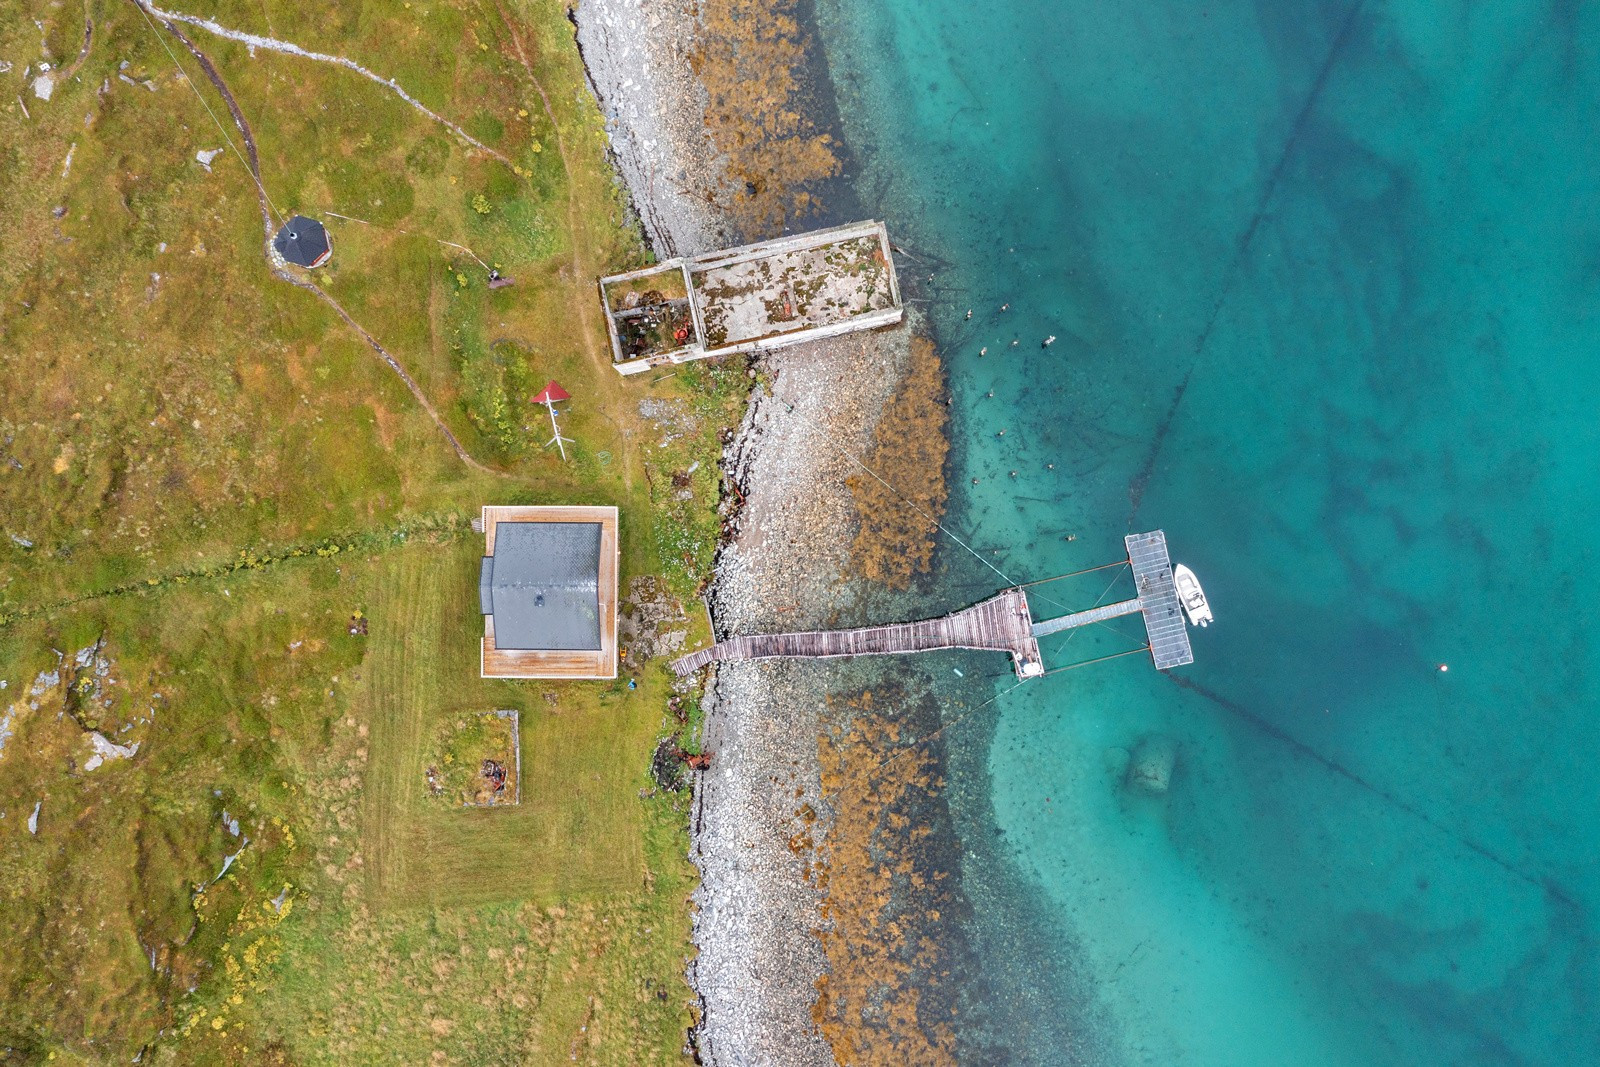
{"type": "Point", "coordinates": [1000, 624]}
{"type": "Point", "coordinates": [1085, 618]}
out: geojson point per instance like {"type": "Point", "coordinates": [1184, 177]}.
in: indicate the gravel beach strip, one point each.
{"type": "Point", "coordinates": [785, 566]}
{"type": "Point", "coordinates": [637, 55]}
{"type": "Point", "coordinates": [784, 569]}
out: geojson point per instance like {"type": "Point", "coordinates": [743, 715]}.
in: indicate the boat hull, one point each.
{"type": "Point", "coordinates": [1191, 596]}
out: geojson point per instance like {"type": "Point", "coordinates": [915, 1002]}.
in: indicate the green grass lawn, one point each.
{"type": "Point", "coordinates": [577, 828]}
{"type": "Point", "coordinates": [204, 474]}
{"type": "Point", "coordinates": [407, 928]}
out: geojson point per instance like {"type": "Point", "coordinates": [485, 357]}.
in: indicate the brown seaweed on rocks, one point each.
{"type": "Point", "coordinates": [750, 56]}
{"type": "Point", "coordinates": [899, 509]}
{"type": "Point", "coordinates": [890, 893]}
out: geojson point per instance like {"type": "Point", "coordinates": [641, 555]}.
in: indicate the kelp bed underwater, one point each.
{"type": "Point", "coordinates": [900, 502]}
{"type": "Point", "coordinates": [761, 114]}
{"type": "Point", "coordinates": [885, 862]}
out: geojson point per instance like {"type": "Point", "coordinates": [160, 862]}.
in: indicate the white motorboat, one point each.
{"type": "Point", "coordinates": [1191, 596]}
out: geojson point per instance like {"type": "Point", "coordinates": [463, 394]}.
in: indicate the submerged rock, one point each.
{"type": "Point", "coordinates": [1151, 764]}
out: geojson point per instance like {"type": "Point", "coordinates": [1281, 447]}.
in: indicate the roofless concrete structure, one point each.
{"type": "Point", "coordinates": [752, 298]}
{"type": "Point", "coordinates": [1003, 623]}
{"type": "Point", "coordinates": [547, 588]}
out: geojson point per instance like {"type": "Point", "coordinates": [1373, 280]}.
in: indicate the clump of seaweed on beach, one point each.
{"type": "Point", "coordinates": [748, 57]}
{"type": "Point", "coordinates": [899, 520]}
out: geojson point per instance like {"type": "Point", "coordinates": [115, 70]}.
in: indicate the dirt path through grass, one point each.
{"type": "Point", "coordinates": [272, 44]}
{"type": "Point", "coordinates": [575, 227]}
{"type": "Point", "coordinates": [575, 224]}
{"type": "Point", "coordinates": [65, 74]}
{"type": "Point", "coordinates": [582, 266]}
{"type": "Point", "coordinates": [268, 210]}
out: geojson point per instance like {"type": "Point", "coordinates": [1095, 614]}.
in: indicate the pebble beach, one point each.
{"type": "Point", "coordinates": [785, 566]}
{"type": "Point", "coordinates": [637, 53]}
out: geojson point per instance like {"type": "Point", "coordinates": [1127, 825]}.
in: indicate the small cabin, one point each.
{"type": "Point", "coordinates": [303, 242]}
{"type": "Point", "coordinates": [547, 589]}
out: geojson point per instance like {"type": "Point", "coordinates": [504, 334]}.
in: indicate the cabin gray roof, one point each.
{"type": "Point", "coordinates": [542, 585]}
{"type": "Point", "coordinates": [302, 241]}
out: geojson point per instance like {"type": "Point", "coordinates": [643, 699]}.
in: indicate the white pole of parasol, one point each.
{"type": "Point", "coordinates": [557, 440]}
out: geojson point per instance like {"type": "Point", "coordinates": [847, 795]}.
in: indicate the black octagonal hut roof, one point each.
{"type": "Point", "coordinates": [303, 241]}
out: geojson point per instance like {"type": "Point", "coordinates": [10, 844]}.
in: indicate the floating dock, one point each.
{"type": "Point", "coordinates": [1003, 623]}
{"type": "Point", "coordinates": [1158, 600]}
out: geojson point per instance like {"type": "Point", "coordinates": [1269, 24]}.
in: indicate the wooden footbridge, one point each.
{"type": "Point", "coordinates": [1003, 623]}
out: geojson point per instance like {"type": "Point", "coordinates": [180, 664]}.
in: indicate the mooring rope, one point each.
{"type": "Point", "coordinates": [1074, 574]}
{"type": "Point", "coordinates": [975, 554]}
{"type": "Point", "coordinates": [924, 740]}
{"type": "Point", "coordinates": [1091, 662]}
{"type": "Point", "coordinates": [1097, 602]}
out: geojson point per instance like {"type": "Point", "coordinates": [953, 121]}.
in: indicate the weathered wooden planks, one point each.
{"type": "Point", "coordinates": [1001, 623]}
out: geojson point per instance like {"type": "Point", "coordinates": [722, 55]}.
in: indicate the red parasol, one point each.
{"type": "Point", "coordinates": [552, 392]}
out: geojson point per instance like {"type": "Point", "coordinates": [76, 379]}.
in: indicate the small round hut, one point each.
{"type": "Point", "coordinates": [303, 242]}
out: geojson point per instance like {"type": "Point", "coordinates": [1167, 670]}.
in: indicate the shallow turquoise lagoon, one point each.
{"type": "Point", "coordinates": [1324, 280]}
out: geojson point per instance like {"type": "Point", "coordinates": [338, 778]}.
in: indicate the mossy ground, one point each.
{"type": "Point", "coordinates": [206, 475]}
{"type": "Point", "coordinates": [458, 762]}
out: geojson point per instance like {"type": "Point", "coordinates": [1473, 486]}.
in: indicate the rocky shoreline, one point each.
{"type": "Point", "coordinates": [637, 55]}
{"type": "Point", "coordinates": [758, 908]}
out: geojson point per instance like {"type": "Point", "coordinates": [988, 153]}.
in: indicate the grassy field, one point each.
{"type": "Point", "coordinates": [488, 935]}
{"type": "Point", "coordinates": [581, 784]}
{"type": "Point", "coordinates": [205, 475]}
{"type": "Point", "coordinates": [473, 759]}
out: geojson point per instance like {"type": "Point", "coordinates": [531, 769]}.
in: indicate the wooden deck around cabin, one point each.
{"type": "Point", "coordinates": [1001, 624]}
{"type": "Point", "coordinates": [559, 663]}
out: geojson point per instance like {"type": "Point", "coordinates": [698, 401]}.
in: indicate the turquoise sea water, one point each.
{"type": "Point", "coordinates": [1325, 281]}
